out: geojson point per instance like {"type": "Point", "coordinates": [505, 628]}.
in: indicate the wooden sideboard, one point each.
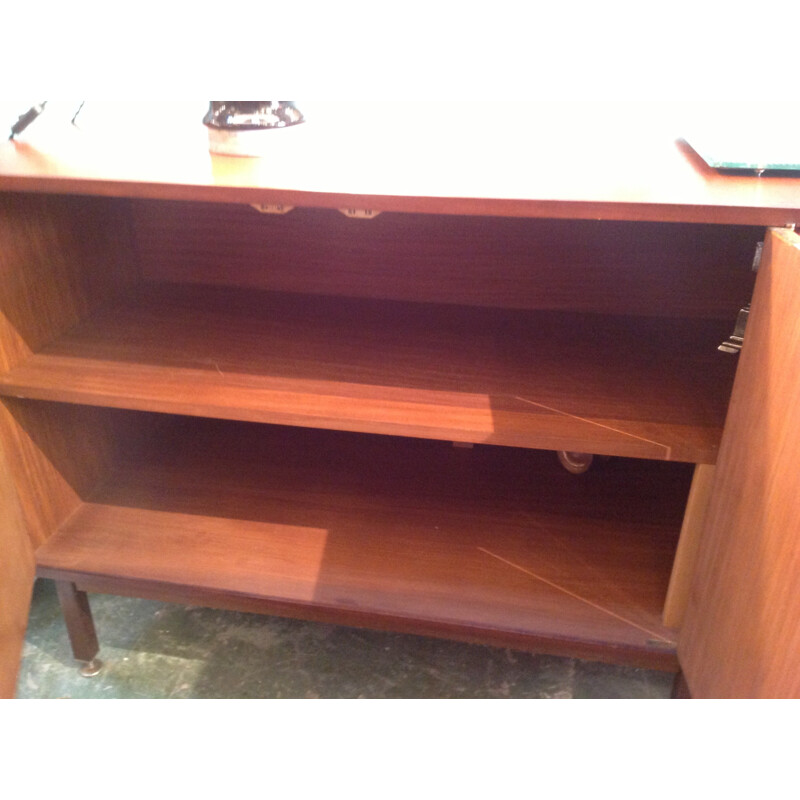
{"type": "Point", "coordinates": [352, 418]}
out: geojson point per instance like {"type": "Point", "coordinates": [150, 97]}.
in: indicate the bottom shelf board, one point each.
{"type": "Point", "coordinates": [490, 544]}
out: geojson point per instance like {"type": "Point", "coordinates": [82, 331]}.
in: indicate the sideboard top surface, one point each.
{"type": "Point", "coordinates": [583, 161]}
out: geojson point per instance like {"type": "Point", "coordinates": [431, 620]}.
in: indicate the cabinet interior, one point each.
{"type": "Point", "coordinates": [163, 332]}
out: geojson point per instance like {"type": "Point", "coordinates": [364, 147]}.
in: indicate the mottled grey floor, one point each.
{"type": "Point", "coordinates": [159, 650]}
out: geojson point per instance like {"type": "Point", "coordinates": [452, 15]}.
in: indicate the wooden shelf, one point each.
{"type": "Point", "coordinates": [385, 532]}
{"type": "Point", "coordinates": [649, 388]}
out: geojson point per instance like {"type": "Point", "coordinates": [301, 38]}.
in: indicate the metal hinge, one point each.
{"type": "Point", "coordinates": [735, 340]}
{"type": "Point", "coordinates": [757, 256]}
{"type": "Point", "coordinates": [272, 208]}
{"type": "Point", "coordinates": [360, 213]}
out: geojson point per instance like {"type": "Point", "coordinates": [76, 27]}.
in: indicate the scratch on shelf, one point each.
{"type": "Point", "coordinates": [598, 424]}
{"type": "Point", "coordinates": [657, 636]}
{"type": "Point", "coordinates": [212, 363]}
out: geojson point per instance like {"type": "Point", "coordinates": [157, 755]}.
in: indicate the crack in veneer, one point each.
{"type": "Point", "coordinates": [657, 636]}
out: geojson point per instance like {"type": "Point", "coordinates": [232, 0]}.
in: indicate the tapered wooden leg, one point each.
{"type": "Point", "coordinates": [80, 626]}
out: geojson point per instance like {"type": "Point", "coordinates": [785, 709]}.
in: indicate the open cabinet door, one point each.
{"type": "Point", "coordinates": [741, 637]}
{"type": "Point", "coordinates": [16, 581]}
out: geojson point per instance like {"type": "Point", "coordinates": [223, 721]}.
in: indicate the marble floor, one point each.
{"type": "Point", "coordinates": [160, 650]}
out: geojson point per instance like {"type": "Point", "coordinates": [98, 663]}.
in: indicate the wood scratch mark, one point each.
{"type": "Point", "coordinates": [599, 424]}
{"type": "Point", "coordinates": [212, 363]}
{"type": "Point", "coordinates": [557, 541]}
{"type": "Point", "coordinates": [576, 596]}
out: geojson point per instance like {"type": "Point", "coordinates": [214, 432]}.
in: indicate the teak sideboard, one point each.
{"type": "Point", "coordinates": [352, 417]}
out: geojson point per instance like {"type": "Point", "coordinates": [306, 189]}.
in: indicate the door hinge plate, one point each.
{"type": "Point", "coordinates": [736, 339]}
{"type": "Point", "coordinates": [757, 256]}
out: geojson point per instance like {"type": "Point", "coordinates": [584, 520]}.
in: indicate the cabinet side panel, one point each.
{"type": "Point", "coordinates": [57, 454]}
{"type": "Point", "coordinates": [643, 269]}
{"type": "Point", "coordinates": [742, 632]}
{"type": "Point", "coordinates": [60, 257]}
{"type": "Point", "coordinates": [16, 580]}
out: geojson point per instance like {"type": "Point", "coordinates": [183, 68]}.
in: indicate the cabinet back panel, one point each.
{"type": "Point", "coordinates": [647, 269]}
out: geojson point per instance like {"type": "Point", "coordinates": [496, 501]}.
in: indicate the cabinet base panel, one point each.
{"type": "Point", "coordinates": [646, 658]}
{"type": "Point", "coordinates": [492, 545]}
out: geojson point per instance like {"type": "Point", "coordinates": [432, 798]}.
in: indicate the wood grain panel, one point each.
{"type": "Point", "coordinates": [621, 386]}
{"type": "Point", "coordinates": [57, 453]}
{"type": "Point", "coordinates": [742, 632]}
{"type": "Point", "coordinates": [60, 258]}
{"type": "Point", "coordinates": [688, 545]}
{"type": "Point", "coordinates": [16, 580]}
{"type": "Point", "coordinates": [646, 269]}
{"type": "Point", "coordinates": [411, 531]}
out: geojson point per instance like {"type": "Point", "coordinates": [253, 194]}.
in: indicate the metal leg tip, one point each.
{"type": "Point", "coordinates": [91, 668]}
